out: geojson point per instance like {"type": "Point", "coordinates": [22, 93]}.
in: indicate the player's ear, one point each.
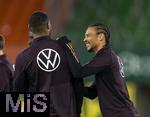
{"type": "Point", "coordinates": [100, 36]}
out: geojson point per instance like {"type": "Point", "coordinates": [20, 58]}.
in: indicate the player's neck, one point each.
{"type": "Point", "coordinates": [1, 52]}
{"type": "Point", "coordinates": [99, 48]}
{"type": "Point", "coordinates": [37, 36]}
{"type": "Point", "coordinates": [40, 35]}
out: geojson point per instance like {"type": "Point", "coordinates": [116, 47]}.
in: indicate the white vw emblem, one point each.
{"type": "Point", "coordinates": [48, 60]}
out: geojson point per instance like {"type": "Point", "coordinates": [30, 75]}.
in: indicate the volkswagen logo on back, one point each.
{"type": "Point", "coordinates": [48, 60]}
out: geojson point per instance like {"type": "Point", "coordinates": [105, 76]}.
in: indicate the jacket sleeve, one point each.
{"type": "Point", "coordinates": [19, 83]}
{"type": "Point", "coordinates": [71, 55]}
{"type": "Point", "coordinates": [90, 92]}
{"type": "Point", "coordinates": [98, 64]}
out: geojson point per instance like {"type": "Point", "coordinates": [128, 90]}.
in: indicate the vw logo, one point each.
{"type": "Point", "coordinates": [48, 60]}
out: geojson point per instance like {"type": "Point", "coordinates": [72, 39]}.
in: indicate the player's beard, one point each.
{"type": "Point", "coordinates": [89, 49]}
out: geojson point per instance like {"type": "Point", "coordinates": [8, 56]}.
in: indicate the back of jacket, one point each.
{"type": "Point", "coordinates": [6, 74]}
{"type": "Point", "coordinates": [43, 67]}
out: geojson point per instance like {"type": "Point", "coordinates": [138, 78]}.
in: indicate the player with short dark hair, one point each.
{"type": "Point", "coordinates": [38, 22]}
{"type": "Point", "coordinates": [6, 69]}
{"type": "Point", "coordinates": [43, 67]}
{"type": "Point", "coordinates": [108, 69]}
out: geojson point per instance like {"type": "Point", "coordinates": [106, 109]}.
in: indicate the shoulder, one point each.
{"type": "Point", "coordinates": [23, 55]}
{"type": "Point", "coordinates": [57, 45]}
{"type": "Point", "coordinates": [112, 53]}
{"type": "Point", "coordinates": [5, 67]}
{"type": "Point", "coordinates": [109, 53]}
{"type": "Point", "coordinates": [104, 56]}
{"type": "Point", "coordinates": [104, 53]}
{"type": "Point", "coordinates": [5, 62]}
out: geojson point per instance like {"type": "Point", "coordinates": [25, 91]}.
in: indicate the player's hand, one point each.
{"type": "Point", "coordinates": [63, 40]}
{"type": "Point", "coordinates": [67, 44]}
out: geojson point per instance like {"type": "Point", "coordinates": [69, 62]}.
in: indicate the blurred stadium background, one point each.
{"type": "Point", "coordinates": [129, 25]}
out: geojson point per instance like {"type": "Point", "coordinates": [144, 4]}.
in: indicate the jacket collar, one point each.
{"type": "Point", "coordinates": [40, 38]}
{"type": "Point", "coordinates": [105, 48]}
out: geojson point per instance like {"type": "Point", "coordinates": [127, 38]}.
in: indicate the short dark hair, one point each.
{"type": "Point", "coordinates": [101, 28]}
{"type": "Point", "coordinates": [2, 40]}
{"type": "Point", "coordinates": [38, 22]}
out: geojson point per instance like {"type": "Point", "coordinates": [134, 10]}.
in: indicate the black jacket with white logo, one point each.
{"type": "Point", "coordinates": [43, 67]}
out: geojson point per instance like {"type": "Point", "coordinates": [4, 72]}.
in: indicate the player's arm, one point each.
{"type": "Point", "coordinates": [91, 92]}
{"type": "Point", "coordinates": [71, 55]}
{"type": "Point", "coordinates": [19, 76]}
{"type": "Point", "coordinates": [5, 78]}
{"type": "Point", "coordinates": [97, 65]}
